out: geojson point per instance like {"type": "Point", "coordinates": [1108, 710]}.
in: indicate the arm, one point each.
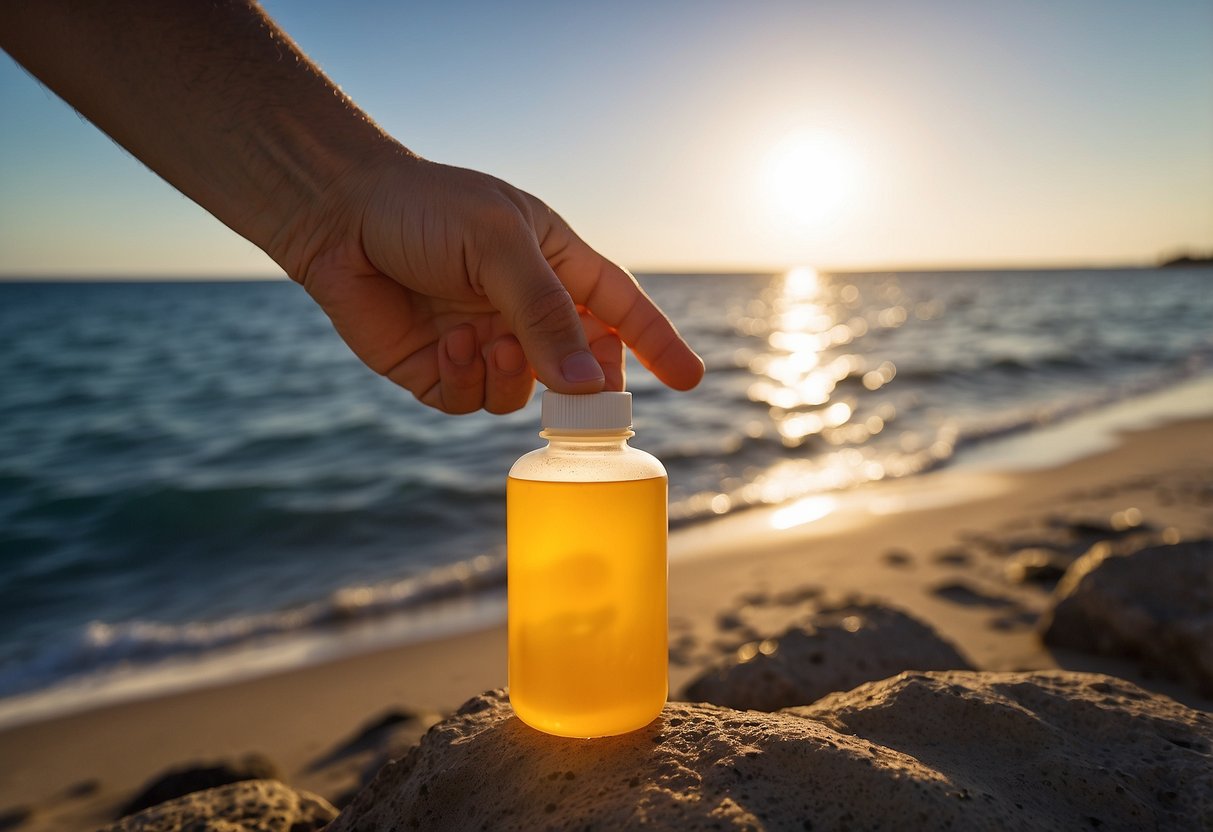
{"type": "Point", "coordinates": [454, 284]}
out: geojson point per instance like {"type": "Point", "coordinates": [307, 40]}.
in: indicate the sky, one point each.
{"type": "Point", "coordinates": [712, 135]}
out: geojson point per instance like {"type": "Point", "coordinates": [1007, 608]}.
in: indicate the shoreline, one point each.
{"type": "Point", "coordinates": [74, 770]}
{"type": "Point", "coordinates": [295, 715]}
{"type": "Point", "coordinates": [977, 471]}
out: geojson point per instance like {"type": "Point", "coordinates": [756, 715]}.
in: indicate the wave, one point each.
{"type": "Point", "coordinates": [1001, 364]}
{"type": "Point", "coordinates": [180, 475]}
{"type": "Point", "coordinates": [103, 645]}
{"type": "Point", "coordinates": [1054, 364]}
{"type": "Point", "coordinates": [951, 440]}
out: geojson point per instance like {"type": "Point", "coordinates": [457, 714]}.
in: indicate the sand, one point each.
{"type": "Point", "coordinates": [937, 546]}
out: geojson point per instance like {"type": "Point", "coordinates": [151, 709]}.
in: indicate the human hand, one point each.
{"type": "Point", "coordinates": [464, 289]}
{"type": "Point", "coordinates": [453, 284]}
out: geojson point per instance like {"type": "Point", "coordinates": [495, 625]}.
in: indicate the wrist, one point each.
{"type": "Point", "coordinates": [321, 181]}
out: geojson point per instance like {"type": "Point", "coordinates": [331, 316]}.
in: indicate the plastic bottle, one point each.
{"type": "Point", "coordinates": [587, 529]}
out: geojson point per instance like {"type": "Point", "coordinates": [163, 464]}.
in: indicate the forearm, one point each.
{"type": "Point", "coordinates": [209, 94]}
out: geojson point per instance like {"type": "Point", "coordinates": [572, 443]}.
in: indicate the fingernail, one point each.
{"type": "Point", "coordinates": [461, 347]}
{"type": "Point", "coordinates": [580, 367]}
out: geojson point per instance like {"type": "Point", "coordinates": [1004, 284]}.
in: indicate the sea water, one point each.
{"type": "Point", "coordinates": [191, 469]}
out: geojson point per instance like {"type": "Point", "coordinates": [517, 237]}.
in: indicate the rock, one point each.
{"type": "Point", "coordinates": [841, 647]}
{"type": "Point", "coordinates": [196, 777]}
{"type": "Point", "coordinates": [1035, 565]}
{"type": "Point", "coordinates": [247, 806]}
{"type": "Point", "coordinates": [960, 750]}
{"type": "Point", "coordinates": [1155, 605]}
{"type": "Point", "coordinates": [1065, 749]}
{"type": "Point", "coordinates": [14, 817]}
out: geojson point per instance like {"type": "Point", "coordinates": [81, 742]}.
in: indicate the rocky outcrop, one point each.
{"type": "Point", "coordinates": [959, 750]}
{"type": "Point", "coordinates": [1155, 605]}
{"type": "Point", "coordinates": [838, 649]}
{"type": "Point", "coordinates": [196, 777]}
{"type": "Point", "coordinates": [247, 806]}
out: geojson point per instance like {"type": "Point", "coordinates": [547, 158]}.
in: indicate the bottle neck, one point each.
{"type": "Point", "coordinates": [599, 441]}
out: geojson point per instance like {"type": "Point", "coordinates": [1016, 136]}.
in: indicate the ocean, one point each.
{"type": "Point", "coordinates": [191, 470]}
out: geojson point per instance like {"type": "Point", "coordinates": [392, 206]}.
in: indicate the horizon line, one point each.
{"type": "Point", "coordinates": [108, 276]}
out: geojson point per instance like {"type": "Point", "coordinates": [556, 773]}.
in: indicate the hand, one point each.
{"type": "Point", "coordinates": [453, 284]}
{"type": "Point", "coordinates": [464, 289]}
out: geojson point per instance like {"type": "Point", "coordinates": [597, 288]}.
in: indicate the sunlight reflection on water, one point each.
{"type": "Point", "coordinates": [809, 322]}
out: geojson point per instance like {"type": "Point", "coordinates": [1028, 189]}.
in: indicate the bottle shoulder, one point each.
{"type": "Point", "coordinates": [620, 465]}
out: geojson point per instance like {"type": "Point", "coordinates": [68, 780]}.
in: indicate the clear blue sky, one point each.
{"type": "Point", "coordinates": [966, 132]}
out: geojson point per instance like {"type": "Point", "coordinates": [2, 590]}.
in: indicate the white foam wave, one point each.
{"type": "Point", "coordinates": [104, 645]}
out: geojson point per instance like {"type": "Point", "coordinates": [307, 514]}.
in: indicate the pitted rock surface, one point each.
{"type": "Point", "coordinates": [961, 750]}
{"type": "Point", "coordinates": [247, 806]}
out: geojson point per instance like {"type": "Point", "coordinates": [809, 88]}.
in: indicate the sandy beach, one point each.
{"type": "Point", "coordinates": [894, 324]}
{"type": "Point", "coordinates": [936, 547]}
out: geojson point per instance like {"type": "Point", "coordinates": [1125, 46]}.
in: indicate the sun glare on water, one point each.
{"type": "Point", "coordinates": [809, 179]}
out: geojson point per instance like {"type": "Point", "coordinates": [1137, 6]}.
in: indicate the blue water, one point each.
{"type": "Point", "coordinates": [186, 466]}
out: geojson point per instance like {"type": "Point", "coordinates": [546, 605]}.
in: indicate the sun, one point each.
{"type": "Point", "coordinates": [809, 179]}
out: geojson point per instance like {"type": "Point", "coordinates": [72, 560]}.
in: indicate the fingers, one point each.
{"type": "Point", "coordinates": [607, 348]}
{"type": "Point", "coordinates": [618, 301]}
{"type": "Point", "coordinates": [510, 381]}
{"type": "Point", "coordinates": [497, 378]}
{"type": "Point", "coordinates": [461, 371]}
{"type": "Point", "coordinates": [615, 298]}
{"type": "Point", "coordinates": [541, 314]}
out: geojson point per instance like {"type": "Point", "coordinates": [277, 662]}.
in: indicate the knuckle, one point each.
{"type": "Point", "coordinates": [550, 312]}
{"type": "Point", "coordinates": [497, 218]}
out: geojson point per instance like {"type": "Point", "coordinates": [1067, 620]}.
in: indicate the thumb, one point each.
{"type": "Point", "coordinates": [519, 282]}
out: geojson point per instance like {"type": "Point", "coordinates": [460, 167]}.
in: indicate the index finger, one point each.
{"type": "Point", "coordinates": [614, 297]}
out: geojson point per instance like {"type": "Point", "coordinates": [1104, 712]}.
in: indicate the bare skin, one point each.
{"type": "Point", "coordinates": [455, 285]}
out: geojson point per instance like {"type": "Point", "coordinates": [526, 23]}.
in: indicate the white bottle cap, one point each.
{"type": "Point", "coordinates": [588, 411]}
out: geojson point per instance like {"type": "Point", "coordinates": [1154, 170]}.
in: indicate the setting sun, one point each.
{"type": "Point", "coordinates": [809, 179]}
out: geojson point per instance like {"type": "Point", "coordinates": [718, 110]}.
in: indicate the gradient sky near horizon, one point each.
{"type": "Point", "coordinates": [668, 134]}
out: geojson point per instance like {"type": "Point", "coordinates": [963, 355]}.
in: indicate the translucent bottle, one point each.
{"type": "Point", "coordinates": [586, 533]}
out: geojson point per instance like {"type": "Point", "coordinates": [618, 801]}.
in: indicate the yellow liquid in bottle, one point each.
{"type": "Point", "coordinates": [587, 604]}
